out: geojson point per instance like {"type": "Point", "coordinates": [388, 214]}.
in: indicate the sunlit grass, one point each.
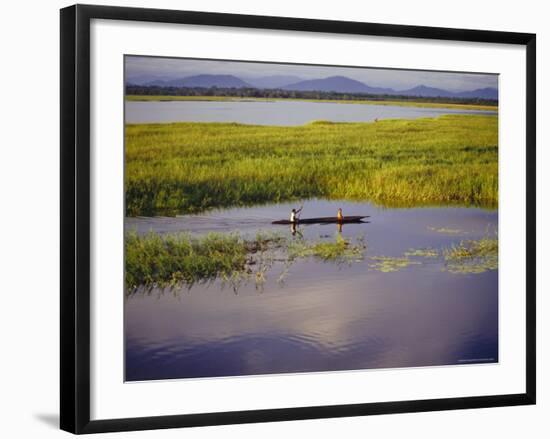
{"type": "Point", "coordinates": [191, 167]}
{"type": "Point", "coordinates": [164, 260]}
{"type": "Point", "coordinates": [340, 250]}
{"type": "Point", "coordinates": [184, 259]}
{"type": "Point", "coordinates": [466, 257]}
{"type": "Point", "coordinates": [472, 256]}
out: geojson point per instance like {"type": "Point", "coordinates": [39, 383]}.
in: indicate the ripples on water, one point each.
{"type": "Point", "coordinates": [325, 317]}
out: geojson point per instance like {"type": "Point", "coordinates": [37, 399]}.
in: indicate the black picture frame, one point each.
{"type": "Point", "coordinates": [75, 217]}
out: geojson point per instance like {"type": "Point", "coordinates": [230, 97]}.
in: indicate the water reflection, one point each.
{"type": "Point", "coordinates": [295, 229]}
{"type": "Point", "coordinates": [322, 316]}
{"type": "Point", "coordinates": [275, 112]}
{"type": "Point", "coordinates": [369, 321]}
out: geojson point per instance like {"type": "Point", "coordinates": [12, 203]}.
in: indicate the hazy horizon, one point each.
{"type": "Point", "coordinates": [175, 68]}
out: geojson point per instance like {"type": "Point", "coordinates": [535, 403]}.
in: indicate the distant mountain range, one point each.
{"type": "Point", "coordinates": [424, 91]}
{"type": "Point", "coordinates": [274, 81]}
{"type": "Point", "coordinates": [338, 84]}
{"type": "Point", "coordinates": [206, 81]}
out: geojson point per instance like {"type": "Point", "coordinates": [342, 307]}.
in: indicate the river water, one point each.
{"type": "Point", "coordinates": [324, 316]}
{"type": "Point", "coordinates": [274, 112]}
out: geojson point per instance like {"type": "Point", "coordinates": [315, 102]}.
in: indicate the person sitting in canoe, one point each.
{"type": "Point", "coordinates": [294, 215]}
{"type": "Point", "coordinates": [339, 216]}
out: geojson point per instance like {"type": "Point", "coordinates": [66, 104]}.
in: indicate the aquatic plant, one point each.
{"type": "Point", "coordinates": [341, 250]}
{"type": "Point", "coordinates": [446, 230]}
{"type": "Point", "coordinates": [466, 257]}
{"type": "Point", "coordinates": [472, 256]}
{"type": "Point", "coordinates": [174, 259]}
{"type": "Point", "coordinates": [388, 264]}
{"type": "Point", "coordinates": [422, 252]}
{"type": "Point", "coordinates": [192, 167]}
{"type": "Point", "coordinates": [169, 259]}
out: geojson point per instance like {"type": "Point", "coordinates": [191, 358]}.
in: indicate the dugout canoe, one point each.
{"type": "Point", "coordinates": [324, 220]}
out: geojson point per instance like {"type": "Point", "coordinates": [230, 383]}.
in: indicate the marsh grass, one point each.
{"type": "Point", "coordinates": [154, 260]}
{"type": "Point", "coordinates": [192, 167]}
{"type": "Point", "coordinates": [388, 264]}
{"type": "Point", "coordinates": [472, 256]}
{"type": "Point", "coordinates": [341, 250]}
{"type": "Point", "coordinates": [466, 257]}
{"type": "Point", "coordinates": [167, 260]}
{"type": "Point", "coordinates": [422, 252]}
{"type": "Point", "coordinates": [171, 260]}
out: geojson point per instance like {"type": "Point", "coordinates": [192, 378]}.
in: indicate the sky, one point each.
{"type": "Point", "coordinates": [174, 68]}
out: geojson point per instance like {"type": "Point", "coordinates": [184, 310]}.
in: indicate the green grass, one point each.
{"type": "Point", "coordinates": [407, 103]}
{"type": "Point", "coordinates": [191, 167]}
{"type": "Point", "coordinates": [466, 257]}
{"type": "Point", "coordinates": [472, 256]}
{"type": "Point", "coordinates": [162, 260]}
{"type": "Point", "coordinates": [184, 259]}
{"type": "Point", "coordinates": [422, 252]}
{"type": "Point", "coordinates": [388, 264]}
{"type": "Point", "coordinates": [341, 250]}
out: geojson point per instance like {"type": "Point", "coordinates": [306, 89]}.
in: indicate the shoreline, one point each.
{"type": "Point", "coordinates": [168, 98]}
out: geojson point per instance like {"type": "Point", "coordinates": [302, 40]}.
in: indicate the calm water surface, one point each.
{"type": "Point", "coordinates": [324, 316]}
{"type": "Point", "coordinates": [274, 112]}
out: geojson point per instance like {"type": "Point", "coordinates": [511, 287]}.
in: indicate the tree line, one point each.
{"type": "Point", "coordinates": [153, 90]}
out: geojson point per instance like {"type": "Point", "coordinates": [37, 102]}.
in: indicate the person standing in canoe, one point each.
{"type": "Point", "coordinates": [339, 216]}
{"type": "Point", "coordinates": [294, 215]}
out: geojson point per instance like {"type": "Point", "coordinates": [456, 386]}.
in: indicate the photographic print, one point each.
{"type": "Point", "coordinates": [292, 218]}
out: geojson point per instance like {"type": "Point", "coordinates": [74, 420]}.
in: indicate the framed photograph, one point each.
{"type": "Point", "coordinates": [268, 218]}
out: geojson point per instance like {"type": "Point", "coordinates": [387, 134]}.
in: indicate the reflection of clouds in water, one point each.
{"type": "Point", "coordinates": [325, 317]}
{"type": "Point", "coordinates": [373, 321]}
{"type": "Point", "coordinates": [277, 113]}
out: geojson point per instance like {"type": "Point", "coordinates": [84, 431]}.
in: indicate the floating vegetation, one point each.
{"type": "Point", "coordinates": [342, 250]}
{"type": "Point", "coordinates": [170, 260]}
{"type": "Point", "coordinates": [387, 264]}
{"type": "Point", "coordinates": [445, 230]}
{"type": "Point", "coordinates": [422, 252]}
{"type": "Point", "coordinates": [472, 256]}
{"type": "Point", "coordinates": [467, 257]}
{"type": "Point", "coordinates": [154, 260]}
